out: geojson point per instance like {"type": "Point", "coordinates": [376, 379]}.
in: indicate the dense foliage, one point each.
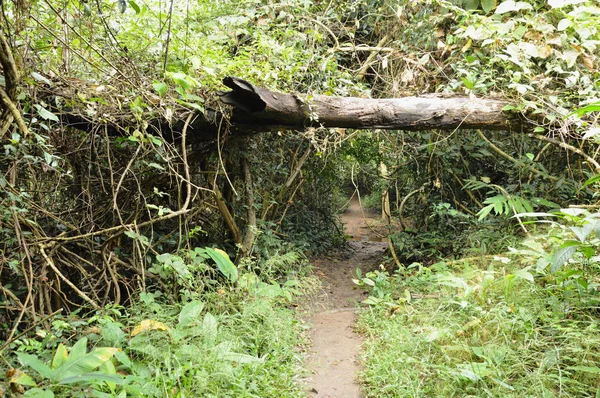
{"type": "Point", "coordinates": [111, 197]}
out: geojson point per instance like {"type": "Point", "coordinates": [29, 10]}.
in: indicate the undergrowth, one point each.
{"type": "Point", "coordinates": [235, 335]}
{"type": "Point", "coordinates": [521, 324]}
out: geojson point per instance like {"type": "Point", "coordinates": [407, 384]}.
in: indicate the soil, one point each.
{"type": "Point", "coordinates": [333, 357]}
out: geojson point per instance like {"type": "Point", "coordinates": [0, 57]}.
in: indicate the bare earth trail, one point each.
{"type": "Point", "coordinates": [333, 357]}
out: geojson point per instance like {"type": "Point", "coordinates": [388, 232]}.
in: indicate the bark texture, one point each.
{"type": "Point", "coordinates": [255, 106]}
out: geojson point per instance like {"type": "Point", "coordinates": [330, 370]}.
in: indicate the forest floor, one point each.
{"type": "Point", "coordinates": [333, 358]}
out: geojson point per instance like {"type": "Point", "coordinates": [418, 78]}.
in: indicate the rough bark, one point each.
{"type": "Point", "coordinates": [255, 106]}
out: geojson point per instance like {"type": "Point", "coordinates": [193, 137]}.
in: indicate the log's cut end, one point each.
{"type": "Point", "coordinates": [243, 95]}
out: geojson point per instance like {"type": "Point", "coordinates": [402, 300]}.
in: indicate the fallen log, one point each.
{"type": "Point", "coordinates": [255, 110]}
{"type": "Point", "coordinates": [255, 106]}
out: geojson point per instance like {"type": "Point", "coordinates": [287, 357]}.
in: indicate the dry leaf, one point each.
{"type": "Point", "coordinates": [589, 63]}
{"type": "Point", "coordinates": [149, 324]}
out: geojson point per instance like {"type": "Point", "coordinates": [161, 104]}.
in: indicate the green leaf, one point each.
{"type": "Point", "coordinates": [368, 281]}
{"type": "Point", "coordinates": [190, 312]}
{"type": "Point", "coordinates": [135, 7]}
{"type": "Point", "coordinates": [591, 181]}
{"type": "Point", "coordinates": [240, 358]}
{"type": "Point", "coordinates": [468, 84]}
{"type": "Point", "coordinates": [595, 107]}
{"type": "Point", "coordinates": [483, 213]}
{"type": "Point", "coordinates": [37, 365]}
{"type": "Point", "coordinates": [488, 5]}
{"type": "Point", "coordinates": [160, 87]}
{"type": "Point", "coordinates": [587, 251]}
{"type": "Point", "coordinates": [112, 333]}
{"type": "Point", "coordinates": [38, 393]}
{"type": "Point", "coordinates": [561, 256]}
{"type": "Point", "coordinates": [583, 232]}
{"type": "Point", "coordinates": [523, 274]}
{"type": "Point", "coordinates": [60, 356]}
{"type": "Point", "coordinates": [182, 80]}
{"type": "Point", "coordinates": [470, 4]}
{"type": "Point", "coordinates": [85, 364]}
{"type": "Point", "coordinates": [224, 264]}
{"type": "Point", "coordinates": [94, 377]}
{"type": "Point", "coordinates": [123, 358]}
{"type": "Point", "coordinates": [79, 349]}
{"type": "Point", "coordinates": [588, 369]}
{"type": "Point", "coordinates": [45, 113]}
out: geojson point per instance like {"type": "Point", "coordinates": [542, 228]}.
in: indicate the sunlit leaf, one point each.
{"type": "Point", "coordinates": [45, 113]}
{"type": "Point", "coordinates": [60, 356]}
{"type": "Point", "coordinates": [160, 87]}
{"type": "Point", "coordinates": [595, 107]}
{"type": "Point", "coordinates": [224, 264]}
{"type": "Point", "coordinates": [510, 5]}
{"type": "Point", "coordinates": [17, 376]}
{"type": "Point", "coordinates": [85, 364]}
{"type": "Point", "coordinates": [147, 325]}
{"type": "Point", "coordinates": [41, 78]}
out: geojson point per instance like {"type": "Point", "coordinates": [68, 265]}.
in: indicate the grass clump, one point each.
{"type": "Point", "coordinates": [235, 334]}
{"type": "Point", "coordinates": [520, 325]}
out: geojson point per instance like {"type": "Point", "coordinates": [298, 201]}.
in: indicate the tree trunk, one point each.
{"type": "Point", "coordinates": [256, 110]}
{"type": "Point", "coordinates": [255, 106]}
{"type": "Point", "coordinates": [251, 228]}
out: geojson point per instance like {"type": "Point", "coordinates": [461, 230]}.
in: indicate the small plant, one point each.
{"type": "Point", "coordinates": [93, 371]}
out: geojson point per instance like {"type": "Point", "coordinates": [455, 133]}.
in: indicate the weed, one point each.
{"type": "Point", "coordinates": [523, 324]}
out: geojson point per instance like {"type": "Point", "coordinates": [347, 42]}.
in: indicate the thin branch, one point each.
{"type": "Point", "coordinates": [14, 112]}
{"type": "Point", "coordinates": [571, 148]}
{"type": "Point", "coordinates": [515, 161]}
{"type": "Point", "coordinates": [50, 262]}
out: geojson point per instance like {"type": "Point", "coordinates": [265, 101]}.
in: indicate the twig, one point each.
{"type": "Point", "coordinates": [14, 111]}
{"type": "Point", "coordinates": [361, 73]}
{"type": "Point", "coordinates": [393, 252]}
{"type": "Point", "coordinates": [571, 148]}
{"type": "Point", "coordinates": [64, 278]}
{"type": "Point", "coordinates": [510, 158]}
{"type": "Point", "coordinates": [401, 208]}
{"type": "Point", "coordinates": [8, 342]}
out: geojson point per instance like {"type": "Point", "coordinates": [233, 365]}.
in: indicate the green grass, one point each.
{"type": "Point", "coordinates": [236, 341]}
{"type": "Point", "coordinates": [480, 332]}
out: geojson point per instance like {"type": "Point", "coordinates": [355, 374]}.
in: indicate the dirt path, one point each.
{"type": "Point", "coordinates": [333, 357]}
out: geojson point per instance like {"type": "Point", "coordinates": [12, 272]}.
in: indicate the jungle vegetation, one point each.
{"type": "Point", "coordinates": [136, 239]}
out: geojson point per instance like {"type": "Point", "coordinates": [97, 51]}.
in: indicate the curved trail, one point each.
{"type": "Point", "coordinates": [333, 357]}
